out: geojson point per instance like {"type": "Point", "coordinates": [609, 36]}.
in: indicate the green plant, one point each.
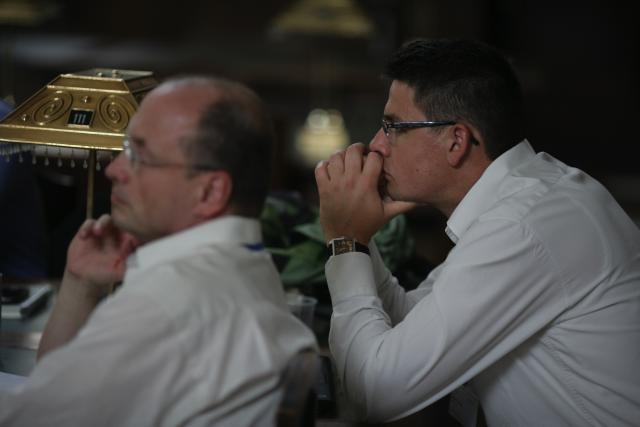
{"type": "Point", "coordinates": [293, 235]}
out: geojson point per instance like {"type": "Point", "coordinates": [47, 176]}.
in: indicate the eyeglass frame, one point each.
{"type": "Point", "coordinates": [387, 125]}
{"type": "Point", "coordinates": [135, 161]}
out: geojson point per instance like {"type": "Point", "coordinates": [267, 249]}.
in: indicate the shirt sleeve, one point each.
{"type": "Point", "coordinates": [497, 288]}
{"type": "Point", "coordinates": [395, 300]}
{"type": "Point", "coordinates": [99, 370]}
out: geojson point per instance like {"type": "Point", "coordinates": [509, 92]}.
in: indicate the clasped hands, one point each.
{"type": "Point", "coordinates": [350, 201]}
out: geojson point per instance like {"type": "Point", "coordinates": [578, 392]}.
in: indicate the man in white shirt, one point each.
{"type": "Point", "coordinates": [199, 332]}
{"type": "Point", "coordinates": [536, 308]}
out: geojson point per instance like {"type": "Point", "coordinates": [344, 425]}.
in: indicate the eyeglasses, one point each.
{"type": "Point", "coordinates": [136, 161]}
{"type": "Point", "coordinates": [387, 125]}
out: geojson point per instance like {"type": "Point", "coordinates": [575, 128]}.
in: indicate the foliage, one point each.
{"type": "Point", "coordinates": [293, 235]}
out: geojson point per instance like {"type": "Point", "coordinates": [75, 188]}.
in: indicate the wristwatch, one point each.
{"type": "Point", "coordinates": [341, 245]}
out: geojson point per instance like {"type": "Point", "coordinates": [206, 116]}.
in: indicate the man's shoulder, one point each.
{"type": "Point", "coordinates": [220, 277]}
{"type": "Point", "coordinates": [533, 188]}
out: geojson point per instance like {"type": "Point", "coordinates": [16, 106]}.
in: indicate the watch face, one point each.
{"type": "Point", "coordinates": [341, 246]}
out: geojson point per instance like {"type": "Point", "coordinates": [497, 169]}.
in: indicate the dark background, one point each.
{"type": "Point", "coordinates": [577, 61]}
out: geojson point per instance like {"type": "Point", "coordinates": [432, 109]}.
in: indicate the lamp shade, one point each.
{"type": "Point", "coordinates": [79, 114]}
{"type": "Point", "coordinates": [89, 109]}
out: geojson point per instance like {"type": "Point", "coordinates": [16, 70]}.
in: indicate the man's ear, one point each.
{"type": "Point", "coordinates": [214, 194]}
{"type": "Point", "coordinates": [460, 144]}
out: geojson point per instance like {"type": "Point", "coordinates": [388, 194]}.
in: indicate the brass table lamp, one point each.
{"type": "Point", "coordinates": [77, 115]}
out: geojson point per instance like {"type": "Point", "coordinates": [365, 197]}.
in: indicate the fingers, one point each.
{"type": "Point", "coordinates": [345, 162]}
{"type": "Point", "coordinates": [335, 165]}
{"type": "Point", "coordinates": [354, 158]}
{"type": "Point", "coordinates": [321, 172]}
{"type": "Point", "coordinates": [101, 225]}
{"type": "Point", "coordinates": [85, 228]}
{"type": "Point", "coordinates": [102, 222]}
{"type": "Point", "coordinates": [372, 167]}
{"type": "Point", "coordinates": [328, 170]}
{"type": "Point", "coordinates": [97, 227]}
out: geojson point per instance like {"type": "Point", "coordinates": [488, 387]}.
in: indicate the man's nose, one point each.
{"type": "Point", "coordinates": [116, 170]}
{"type": "Point", "coordinates": [380, 143]}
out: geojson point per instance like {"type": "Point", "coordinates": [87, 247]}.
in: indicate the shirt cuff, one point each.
{"type": "Point", "coordinates": [350, 275]}
{"type": "Point", "coordinates": [380, 272]}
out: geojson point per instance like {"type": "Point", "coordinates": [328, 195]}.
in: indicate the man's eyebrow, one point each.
{"type": "Point", "coordinates": [390, 117]}
{"type": "Point", "coordinates": [140, 145]}
{"type": "Point", "coordinates": [137, 141]}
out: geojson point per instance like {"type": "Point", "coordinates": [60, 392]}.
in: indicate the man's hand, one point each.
{"type": "Point", "coordinates": [97, 253]}
{"type": "Point", "coordinates": [95, 260]}
{"type": "Point", "coordinates": [350, 203]}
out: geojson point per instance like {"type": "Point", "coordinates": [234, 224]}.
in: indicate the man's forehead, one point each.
{"type": "Point", "coordinates": [401, 90]}
{"type": "Point", "coordinates": [195, 93]}
{"type": "Point", "coordinates": [401, 100]}
{"type": "Point", "coordinates": [164, 118]}
{"type": "Point", "coordinates": [181, 104]}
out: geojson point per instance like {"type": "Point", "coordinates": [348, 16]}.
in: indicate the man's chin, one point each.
{"type": "Point", "coordinates": [126, 224]}
{"type": "Point", "coordinates": [119, 220]}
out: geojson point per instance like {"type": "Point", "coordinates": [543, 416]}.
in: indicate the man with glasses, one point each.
{"type": "Point", "coordinates": [536, 309]}
{"type": "Point", "coordinates": [199, 331]}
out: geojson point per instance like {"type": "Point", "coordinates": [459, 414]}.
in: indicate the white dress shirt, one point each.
{"type": "Point", "coordinates": [197, 335]}
{"type": "Point", "coordinates": [537, 306]}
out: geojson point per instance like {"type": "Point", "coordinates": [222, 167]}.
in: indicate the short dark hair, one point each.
{"type": "Point", "coordinates": [235, 133]}
{"type": "Point", "coordinates": [464, 80]}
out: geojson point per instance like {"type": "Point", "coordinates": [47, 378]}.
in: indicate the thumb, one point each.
{"type": "Point", "coordinates": [128, 244]}
{"type": "Point", "coordinates": [394, 208]}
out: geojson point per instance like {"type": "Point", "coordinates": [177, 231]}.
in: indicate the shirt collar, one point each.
{"type": "Point", "coordinates": [484, 192]}
{"type": "Point", "coordinates": [228, 229]}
